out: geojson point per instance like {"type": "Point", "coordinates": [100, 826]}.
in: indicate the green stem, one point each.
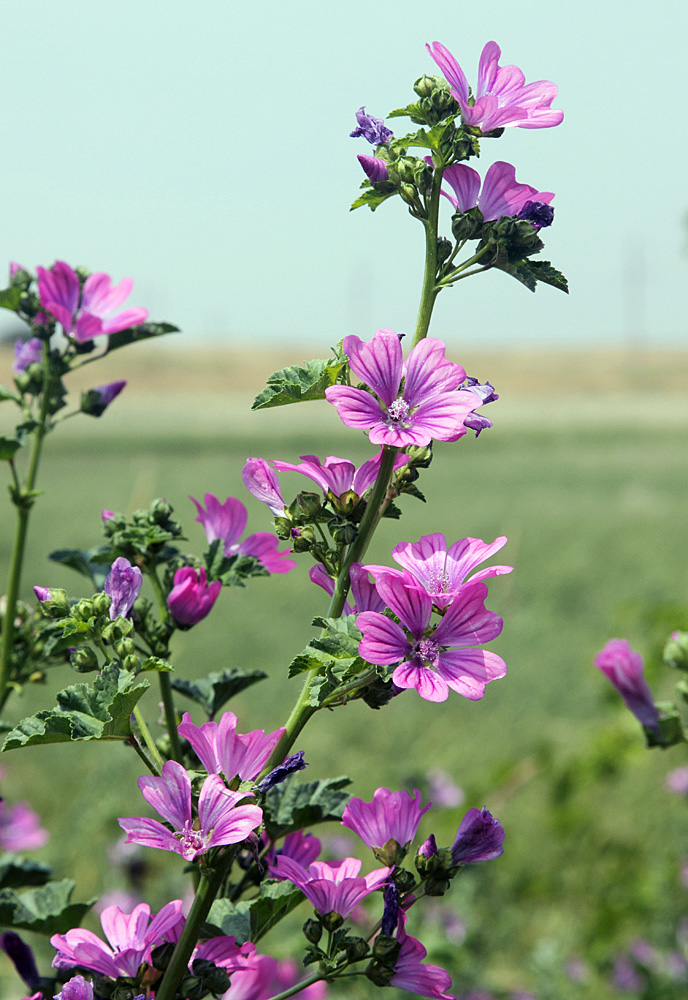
{"type": "Point", "coordinates": [302, 711]}
{"type": "Point", "coordinates": [430, 289]}
{"type": "Point", "coordinates": [457, 273]}
{"type": "Point", "coordinates": [133, 742]}
{"type": "Point", "coordinates": [148, 739]}
{"type": "Point", "coordinates": [208, 888]}
{"type": "Point", "coordinates": [344, 689]}
{"type": "Point", "coordinates": [165, 685]}
{"type": "Point", "coordinates": [24, 502]}
{"type": "Point", "coordinates": [297, 987]}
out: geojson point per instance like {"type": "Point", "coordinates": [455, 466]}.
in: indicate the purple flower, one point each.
{"type": "Point", "coordinates": [227, 521]}
{"type": "Point", "coordinates": [411, 974]}
{"type": "Point", "coordinates": [21, 957]}
{"type": "Point", "coordinates": [20, 828]}
{"type": "Point", "coordinates": [391, 816]}
{"type": "Point", "coordinates": [83, 312]}
{"type": "Point", "coordinates": [480, 837]}
{"type": "Point", "coordinates": [372, 129]}
{"type": "Point", "coordinates": [123, 585]}
{"type": "Point", "coordinates": [677, 781]}
{"type": "Point", "coordinates": [191, 597]}
{"type": "Point", "coordinates": [221, 750]}
{"type": "Point", "coordinates": [433, 659]}
{"type": "Point", "coordinates": [502, 98]}
{"type": "Point", "coordinates": [338, 475]}
{"type": "Point", "coordinates": [365, 595]}
{"type": "Point", "coordinates": [132, 937]}
{"type": "Point", "coordinates": [14, 267]}
{"type": "Point", "coordinates": [27, 352]}
{"type": "Point", "coordinates": [624, 668]}
{"type": "Point", "coordinates": [626, 978]}
{"type": "Point", "coordinates": [374, 168]}
{"type": "Point", "coordinates": [96, 401]}
{"type": "Point", "coordinates": [299, 846]}
{"type": "Point", "coordinates": [501, 194]}
{"type": "Point", "coordinates": [220, 820]}
{"type": "Point", "coordinates": [291, 765]}
{"type": "Point", "coordinates": [429, 405]}
{"type": "Point", "coordinates": [77, 988]}
{"type": "Point", "coordinates": [262, 483]}
{"type": "Point", "coordinates": [333, 886]}
{"type": "Point", "coordinates": [442, 571]}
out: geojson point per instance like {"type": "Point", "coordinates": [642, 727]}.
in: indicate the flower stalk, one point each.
{"type": "Point", "coordinates": [430, 289]}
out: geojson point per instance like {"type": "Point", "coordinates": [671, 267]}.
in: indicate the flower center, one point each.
{"type": "Point", "coordinates": [439, 582]}
{"type": "Point", "coordinates": [428, 651]}
{"type": "Point", "coordinates": [398, 412]}
{"type": "Point", "coordinates": [191, 842]}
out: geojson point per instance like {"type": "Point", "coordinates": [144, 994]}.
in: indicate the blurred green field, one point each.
{"type": "Point", "coordinates": [585, 472]}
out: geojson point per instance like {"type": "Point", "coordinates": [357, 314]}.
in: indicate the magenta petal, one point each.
{"type": "Point", "coordinates": [356, 408]}
{"type": "Point", "coordinates": [235, 825]}
{"type": "Point", "coordinates": [452, 72]}
{"type": "Point", "coordinates": [466, 184]}
{"type": "Point", "coordinates": [100, 297]}
{"type": "Point", "coordinates": [467, 622]}
{"type": "Point", "coordinates": [383, 640]}
{"type": "Point", "coordinates": [429, 685]}
{"type": "Point", "coordinates": [408, 601]}
{"type": "Point", "coordinates": [202, 739]}
{"type": "Point", "coordinates": [377, 363]}
{"type": "Point", "coordinates": [488, 67]}
{"type": "Point", "coordinates": [502, 194]}
{"type": "Point", "coordinates": [442, 416]}
{"type": "Point", "coordinates": [170, 795]}
{"type": "Point", "coordinates": [149, 833]}
{"type": "Point", "coordinates": [125, 320]}
{"type": "Point", "coordinates": [467, 671]}
{"type": "Point", "coordinates": [428, 372]}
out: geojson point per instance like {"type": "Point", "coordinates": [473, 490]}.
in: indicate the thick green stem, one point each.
{"type": "Point", "coordinates": [297, 987]}
{"type": "Point", "coordinates": [430, 290]}
{"type": "Point", "coordinates": [24, 501]}
{"type": "Point", "coordinates": [165, 685]}
{"type": "Point", "coordinates": [208, 887]}
{"type": "Point", "coordinates": [148, 739]}
{"type": "Point", "coordinates": [302, 710]}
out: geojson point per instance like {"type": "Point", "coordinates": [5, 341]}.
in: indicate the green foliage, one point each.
{"type": "Point", "coordinates": [530, 272]}
{"type": "Point", "coordinates": [135, 334]}
{"type": "Point", "coordinates": [45, 910]}
{"type": "Point", "coordinates": [213, 691]}
{"type": "Point", "coordinates": [16, 872]}
{"type": "Point", "coordinates": [294, 805]}
{"type": "Point", "coordinates": [336, 651]}
{"type": "Point", "coordinates": [10, 298]}
{"type": "Point", "coordinates": [88, 563]}
{"type": "Point", "coordinates": [84, 712]}
{"type": "Point", "coordinates": [8, 448]}
{"type": "Point", "coordinates": [299, 383]}
{"type": "Point", "coordinates": [373, 196]}
{"type": "Point", "coordinates": [231, 570]}
{"type": "Point", "coordinates": [6, 393]}
{"type": "Point", "coordinates": [250, 920]}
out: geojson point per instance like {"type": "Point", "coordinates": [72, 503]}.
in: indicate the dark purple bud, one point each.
{"type": "Point", "coordinates": [537, 212]}
{"type": "Point", "coordinates": [480, 837]}
{"type": "Point", "coordinates": [477, 423]}
{"type": "Point", "coordinates": [26, 353]}
{"type": "Point", "coordinates": [372, 129]}
{"type": "Point", "coordinates": [291, 764]}
{"type": "Point", "coordinates": [390, 913]}
{"type": "Point", "coordinates": [96, 401]}
{"type": "Point", "coordinates": [374, 168]}
{"type": "Point", "coordinates": [428, 848]}
{"type": "Point", "coordinates": [22, 957]}
{"type": "Point", "coordinates": [123, 585]}
{"type": "Point", "coordinates": [485, 390]}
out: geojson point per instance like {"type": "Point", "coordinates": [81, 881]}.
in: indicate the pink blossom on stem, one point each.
{"type": "Point", "coordinates": [625, 669]}
{"type": "Point", "coordinates": [20, 828]}
{"type": "Point", "coordinates": [300, 846]}
{"type": "Point", "coordinates": [131, 936]}
{"type": "Point", "coordinates": [262, 483]}
{"type": "Point", "coordinates": [500, 195]}
{"type": "Point", "coordinates": [391, 816]}
{"type": "Point", "coordinates": [221, 820]}
{"type": "Point", "coordinates": [411, 974]}
{"type": "Point", "coordinates": [83, 312]}
{"type": "Point", "coordinates": [502, 98]}
{"type": "Point", "coordinates": [227, 521]}
{"type": "Point", "coordinates": [364, 593]}
{"type": "Point", "coordinates": [221, 750]}
{"type": "Point", "coordinates": [331, 887]}
{"type": "Point", "coordinates": [433, 660]}
{"type": "Point", "coordinates": [442, 571]}
{"type": "Point", "coordinates": [192, 597]}
{"type": "Point", "coordinates": [430, 405]}
{"type": "Point", "coordinates": [339, 475]}
{"type": "Point", "coordinates": [677, 781]}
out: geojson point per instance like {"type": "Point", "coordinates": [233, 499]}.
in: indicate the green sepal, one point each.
{"type": "Point", "coordinates": [250, 920]}
{"type": "Point", "coordinates": [16, 872]}
{"type": "Point", "coordinates": [6, 393]}
{"type": "Point", "coordinates": [213, 691]}
{"type": "Point", "coordinates": [45, 910]}
{"type": "Point", "coordinates": [85, 563]}
{"type": "Point", "coordinates": [294, 805]}
{"type": "Point", "coordinates": [231, 570]}
{"type": "Point", "coordinates": [8, 448]}
{"type": "Point", "coordinates": [10, 297]}
{"type": "Point", "coordinates": [84, 712]}
{"type": "Point", "coordinates": [337, 651]}
{"type": "Point", "coordinates": [669, 729]}
{"type": "Point", "coordinates": [157, 664]}
{"type": "Point", "coordinates": [300, 383]}
{"type": "Point", "coordinates": [145, 331]}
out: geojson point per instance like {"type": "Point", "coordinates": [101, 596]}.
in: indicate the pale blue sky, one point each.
{"type": "Point", "coordinates": [203, 149]}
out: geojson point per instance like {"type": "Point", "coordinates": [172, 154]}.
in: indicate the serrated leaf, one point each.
{"type": "Point", "coordinates": [250, 920]}
{"type": "Point", "coordinates": [84, 562]}
{"type": "Point", "coordinates": [144, 331]}
{"type": "Point", "coordinates": [299, 383]}
{"type": "Point", "coordinates": [157, 664]}
{"type": "Point", "coordinates": [45, 910]}
{"type": "Point", "coordinates": [549, 275]}
{"type": "Point", "coordinates": [410, 111]}
{"type": "Point", "coordinates": [336, 651]}
{"type": "Point", "coordinates": [294, 805]}
{"type": "Point", "coordinates": [529, 272]}
{"type": "Point", "coordinates": [231, 570]}
{"type": "Point", "coordinates": [9, 298]}
{"type": "Point", "coordinates": [16, 872]}
{"type": "Point", "coordinates": [84, 712]}
{"type": "Point", "coordinates": [372, 198]}
{"type": "Point", "coordinates": [217, 688]}
{"type": "Point", "coordinates": [8, 448]}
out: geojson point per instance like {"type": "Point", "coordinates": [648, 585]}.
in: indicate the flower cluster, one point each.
{"type": "Point", "coordinates": [84, 310]}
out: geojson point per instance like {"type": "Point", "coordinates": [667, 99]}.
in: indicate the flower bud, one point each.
{"type": "Point", "coordinates": [312, 930]}
{"type": "Point", "coordinates": [101, 603]}
{"type": "Point", "coordinates": [84, 660]}
{"type": "Point", "coordinates": [54, 602]}
{"type": "Point", "coordinates": [160, 511]}
{"type": "Point", "coordinates": [425, 85]}
{"type": "Point", "coordinates": [467, 225]}
{"type": "Point", "coordinates": [676, 651]}
{"type": "Point", "coordinates": [356, 949]}
{"type": "Point", "coordinates": [386, 950]}
{"type": "Point", "coordinates": [332, 921]}
{"type": "Point", "coordinates": [408, 194]}
{"type": "Point", "coordinates": [95, 402]}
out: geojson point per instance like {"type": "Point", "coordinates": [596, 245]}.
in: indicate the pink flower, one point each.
{"type": "Point", "coordinates": [20, 828]}
{"type": "Point", "coordinates": [220, 819]}
{"type": "Point", "coordinates": [502, 97]}
{"type": "Point", "coordinates": [227, 521]}
{"type": "Point", "coordinates": [132, 937]}
{"type": "Point", "coordinates": [366, 597]}
{"type": "Point", "coordinates": [221, 750]}
{"type": "Point", "coordinates": [339, 475]}
{"type": "Point", "coordinates": [334, 887]}
{"type": "Point", "coordinates": [300, 846]}
{"type": "Point", "coordinates": [433, 659]}
{"type": "Point", "coordinates": [410, 973]}
{"type": "Point", "coordinates": [501, 194]}
{"type": "Point", "coordinates": [624, 668]}
{"type": "Point", "coordinates": [83, 311]}
{"type": "Point", "coordinates": [442, 571]}
{"type": "Point", "coordinates": [192, 597]}
{"type": "Point", "coordinates": [390, 816]}
{"type": "Point", "coordinates": [262, 483]}
{"type": "Point", "coordinates": [429, 405]}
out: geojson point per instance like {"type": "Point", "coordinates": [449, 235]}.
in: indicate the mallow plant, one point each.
{"type": "Point", "coordinates": [231, 804]}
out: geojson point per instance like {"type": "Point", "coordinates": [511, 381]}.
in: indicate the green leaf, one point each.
{"type": "Point", "coordinates": [214, 690]}
{"type": "Point", "coordinates": [6, 393]}
{"type": "Point", "coordinates": [372, 198]}
{"type": "Point", "coordinates": [8, 448]}
{"type": "Point", "coordinates": [155, 663]}
{"type": "Point", "coordinates": [17, 872]}
{"type": "Point", "coordinates": [300, 383]}
{"type": "Point", "coordinates": [250, 920]}
{"type": "Point", "coordinates": [231, 570]}
{"type": "Point", "coordinates": [9, 297]}
{"type": "Point", "coordinates": [45, 910]}
{"type": "Point", "coordinates": [84, 712]}
{"type": "Point", "coordinates": [84, 563]}
{"type": "Point", "coordinates": [529, 272]}
{"type": "Point", "coordinates": [336, 651]}
{"type": "Point", "coordinates": [145, 331]}
{"type": "Point", "coordinates": [294, 805]}
{"type": "Point", "coordinates": [410, 111]}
